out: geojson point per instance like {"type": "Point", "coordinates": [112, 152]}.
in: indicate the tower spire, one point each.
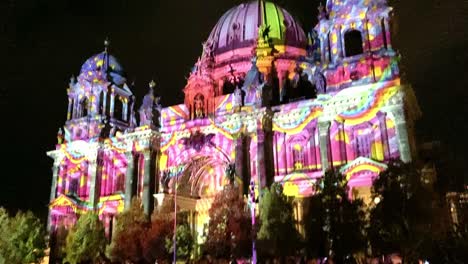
{"type": "Point", "coordinates": [152, 84]}
{"type": "Point", "coordinates": [106, 44]}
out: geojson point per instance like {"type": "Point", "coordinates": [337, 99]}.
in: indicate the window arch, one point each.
{"type": "Point", "coordinates": [353, 43]}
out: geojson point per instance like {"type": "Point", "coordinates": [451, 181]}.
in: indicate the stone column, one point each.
{"type": "Point", "coordinates": [129, 180]}
{"type": "Point", "coordinates": [324, 141]}
{"type": "Point", "coordinates": [147, 190]}
{"type": "Point", "coordinates": [402, 134]}
{"type": "Point", "coordinates": [53, 188]}
{"type": "Point", "coordinates": [125, 111]}
{"type": "Point", "coordinates": [387, 33]}
{"type": "Point", "coordinates": [104, 102]}
{"type": "Point", "coordinates": [384, 135]}
{"type": "Point", "coordinates": [261, 172]}
{"type": "Point", "coordinates": [239, 156]}
{"type": "Point", "coordinates": [69, 108]}
{"type": "Point", "coordinates": [240, 162]}
{"type": "Point", "coordinates": [94, 171]}
{"type": "Point", "coordinates": [112, 99]}
{"type": "Point", "coordinates": [285, 154]}
{"type": "Point", "coordinates": [340, 44]}
{"type": "Point", "coordinates": [75, 107]}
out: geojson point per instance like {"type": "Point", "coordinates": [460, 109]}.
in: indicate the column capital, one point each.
{"type": "Point", "coordinates": [128, 155]}
{"type": "Point", "coordinates": [324, 128]}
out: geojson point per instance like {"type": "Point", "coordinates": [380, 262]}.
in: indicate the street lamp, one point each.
{"type": "Point", "coordinates": [175, 220]}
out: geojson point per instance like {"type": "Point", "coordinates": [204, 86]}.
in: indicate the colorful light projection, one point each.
{"type": "Point", "coordinates": [98, 67]}
{"type": "Point", "coordinates": [368, 21]}
{"type": "Point", "coordinates": [350, 122]}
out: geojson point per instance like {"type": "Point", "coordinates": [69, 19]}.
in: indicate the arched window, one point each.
{"type": "Point", "coordinates": [102, 111]}
{"type": "Point", "coordinates": [363, 143]}
{"type": "Point", "coordinates": [73, 188]}
{"type": "Point", "coordinates": [118, 107]}
{"type": "Point", "coordinates": [84, 107]}
{"type": "Point", "coordinates": [353, 43]}
{"type": "Point", "coordinates": [384, 32]}
{"type": "Point", "coordinates": [199, 106]}
{"type": "Point", "coordinates": [298, 157]}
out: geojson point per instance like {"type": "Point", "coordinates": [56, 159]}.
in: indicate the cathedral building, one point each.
{"type": "Point", "coordinates": [266, 101]}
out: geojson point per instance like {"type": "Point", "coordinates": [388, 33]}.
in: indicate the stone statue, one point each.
{"type": "Point", "coordinates": [230, 173]}
{"type": "Point", "coordinates": [59, 136]}
{"type": "Point", "coordinates": [150, 108]}
{"type": "Point", "coordinates": [320, 82]}
{"type": "Point", "coordinates": [238, 100]}
{"type": "Point", "coordinates": [165, 179]}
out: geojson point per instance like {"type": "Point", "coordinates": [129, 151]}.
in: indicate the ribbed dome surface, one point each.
{"type": "Point", "coordinates": [238, 27]}
{"type": "Point", "coordinates": [101, 66]}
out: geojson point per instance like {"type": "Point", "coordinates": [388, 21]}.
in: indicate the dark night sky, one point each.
{"type": "Point", "coordinates": [44, 42]}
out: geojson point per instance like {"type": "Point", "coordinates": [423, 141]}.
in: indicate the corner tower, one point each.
{"type": "Point", "coordinates": [99, 101]}
{"type": "Point", "coordinates": [93, 159]}
{"type": "Point", "coordinates": [355, 43]}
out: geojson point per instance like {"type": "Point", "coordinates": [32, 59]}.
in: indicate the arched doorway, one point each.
{"type": "Point", "coordinates": [195, 188]}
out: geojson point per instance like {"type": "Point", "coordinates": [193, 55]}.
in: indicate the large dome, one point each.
{"type": "Point", "coordinates": [238, 27]}
{"type": "Point", "coordinates": [98, 66]}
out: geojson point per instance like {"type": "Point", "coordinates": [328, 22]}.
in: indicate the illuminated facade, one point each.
{"type": "Point", "coordinates": [264, 99]}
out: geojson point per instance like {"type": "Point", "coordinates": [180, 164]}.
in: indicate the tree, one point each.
{"type": "Point", "coordinates": [86, 241]}
{"type": "Point", "coordinates": [277, 235]}
{"type": "Point", "coordinates": [131, 227]}
{"type": "Point", "coordinates": [407, 217]}
{"type": "Point", "coordinates": [162, 223]}
{"type": "Point", "coordinates": [229, 229]}
{"type": "Point", "coordinates": [22, 238]}
{"type": "Point", "coordinates": [335, 224]}
{"type": "Point", "coordinates": [184, 240]}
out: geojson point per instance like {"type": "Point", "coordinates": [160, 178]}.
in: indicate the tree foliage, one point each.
{"type": "Point", "coordinates": [408, 217]}
{"type": "Point", "coordinates": [22, 238]}
{"type": "Point", "coordinates": [277, 235]}
{"type": "Point", "coordinates": [184, 241]}
{"type": "Point", "coordinates": [162, 223]}
{"type": "Point", "coordinates": [335, 224]}
{"type": "Point", "coordinates": [229, 229]}
{"type": "Point", "coordinates": [127, 242]}
{"type": "Point", "coordinates": [86, 241]}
